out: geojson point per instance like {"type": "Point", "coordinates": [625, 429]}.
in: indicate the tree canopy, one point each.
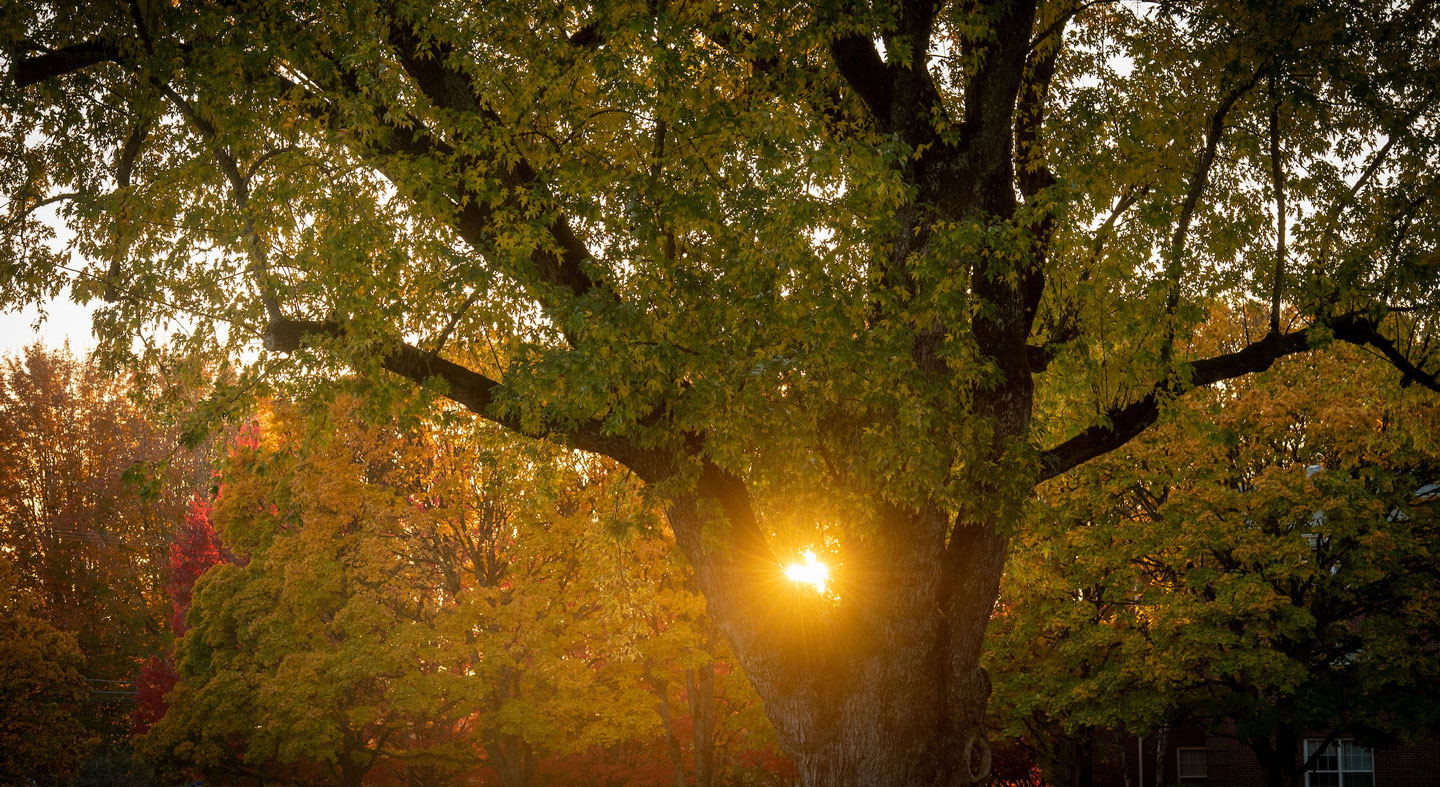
{"type": "Point", "coordinates": [442, 606]}
{"type": "Point", "coordinates": [873, 270]}
{"type": "Point", "coordinates": [42, 693]}
{"type": "Point", "coordinates": [1265, 563]}
{"type": "Point", "coordinates": [91, 488]}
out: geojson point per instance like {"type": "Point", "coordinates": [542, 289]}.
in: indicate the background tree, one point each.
{"type": "Point", "coordinates": [438, 604]}
{"type": "Point", "coordinates": [91, 491]}
{"type": "Point", "coordinates": [873, 268]}
{"type": "Point", "coordinates": [1266, 562]}
{"type": "Point", "coordinates": [195, 548]}
{"type": "Point", "coordinates": [42, 694]}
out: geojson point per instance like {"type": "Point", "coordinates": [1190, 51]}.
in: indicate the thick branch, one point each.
{"type": "Point", "coordinates": [1367, 333]}
{"type": "Point", "coordinates": [866, 73]}
{"type": "Point", "coordinates": [990, 102]}
{"type": "Point", "coordinates": [130, 152]}
{"type": "Point", "coordinates": [1034, 175]}
{"type": "Point", "coordinates": [452, 90]}
{"type": "Point", "coordinates": [468, 388]}
{"type": "Point", "coordinates": [63, 61]}
{"type": "Point", "coordinates": [1125, 423]}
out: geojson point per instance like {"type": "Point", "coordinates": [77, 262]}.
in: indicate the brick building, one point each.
{"type": "Point", "coordinates": [1194, 756]}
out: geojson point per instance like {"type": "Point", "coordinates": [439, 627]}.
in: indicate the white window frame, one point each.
{"type": "Point", "coordinates": [1341, 745]}
{"type": "Point", "coordinates": [1180, 763]}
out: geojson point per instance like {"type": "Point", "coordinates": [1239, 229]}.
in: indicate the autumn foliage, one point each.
{"type": "Point", "coordinates": [438, 605]}
{"type": "Point", "coordinates": [1265, 563]}
{"type": "Point", "coordinates": [195, 549]}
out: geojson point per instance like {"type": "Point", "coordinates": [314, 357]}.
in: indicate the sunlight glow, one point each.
{"type": "Point", "coordinates": [812, 572]}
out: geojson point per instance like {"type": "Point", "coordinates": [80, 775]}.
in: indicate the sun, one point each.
{"type": "Point", "coordinates": [812, 572]}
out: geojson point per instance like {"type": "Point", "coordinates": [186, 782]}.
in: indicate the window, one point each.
{"type": "Point", "coordinates": [1342, 764]}
{"type": "Point", "coordinates": [1191, 763]}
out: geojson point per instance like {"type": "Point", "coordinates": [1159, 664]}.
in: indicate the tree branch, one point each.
{"type": "Point", "coordinates": [1034, 176]}
{"type": "Point", "coordinates": [1123, 424]}
{"type": "Point", "coordinates": [1277, 177]}
{"type": "Point", "coordinates": [60, 62]}
{"type": "Point", "coordinates": [239, 191]}
{"type": "Point", "coordinates": [1367, 333]}
{"type": "Point", "coordinates": [1198, 181]}
{"type": "Point", "coordinates": [468, 388]}
{"type": "Point", "coordinates": [990, 101]}
{"type": "Point", "coordinates": [866, 73]}
{"type": "Point", "coordinates": [452, 90]}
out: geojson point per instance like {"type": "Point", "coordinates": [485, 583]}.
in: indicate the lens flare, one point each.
{"type": "Point", "coordinates": [811, 572]}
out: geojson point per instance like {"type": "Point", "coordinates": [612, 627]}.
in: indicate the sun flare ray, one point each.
{"type": "Point", "coordinates": [811, 572]}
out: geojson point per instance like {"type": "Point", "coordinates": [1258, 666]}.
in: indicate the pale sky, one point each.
{"type": "Point", "coordinates": [64, 320]}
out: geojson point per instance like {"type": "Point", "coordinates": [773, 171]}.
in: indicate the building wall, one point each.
{"type": "Point", "coordinates": [1231, 764]}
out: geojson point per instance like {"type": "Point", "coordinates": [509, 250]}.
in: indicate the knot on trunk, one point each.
{"type": "Point", "coordinates": [975, 757]}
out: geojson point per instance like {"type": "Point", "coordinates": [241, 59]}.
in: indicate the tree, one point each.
{"type": "Point", "coordinates": [440, 605]}
{"type": "Point", "coordinates": [1261, 563]}
{"type": "Point", "coordinates": [42, 695]}
{"type": "Point", "coordinates": [313, 658]}
{"type": "Point", "coordinates": [195, 549]}
{"type": "Point", "coordinates": [90, 491]}
{"type": "Point", "coordinates": [871, 270]}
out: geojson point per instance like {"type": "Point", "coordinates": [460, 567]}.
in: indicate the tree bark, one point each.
{"type": "Point", "coordinates": [883, 686]}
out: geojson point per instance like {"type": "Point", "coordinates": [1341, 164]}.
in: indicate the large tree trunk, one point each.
{"type": "Point", "coordinates": [883, 686]}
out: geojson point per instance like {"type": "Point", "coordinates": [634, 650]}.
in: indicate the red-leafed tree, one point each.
{"type": "Point", "coordinates": [156, 679]}
{"type": "Point", "coordinates": [195, 549]}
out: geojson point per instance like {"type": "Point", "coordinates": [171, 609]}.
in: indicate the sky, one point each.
{"type": "Point", "coordinates": [64, 320]}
